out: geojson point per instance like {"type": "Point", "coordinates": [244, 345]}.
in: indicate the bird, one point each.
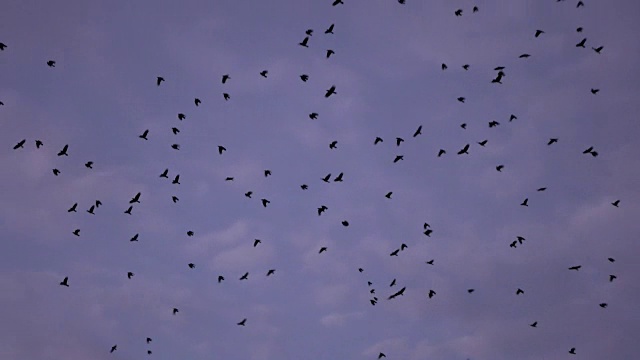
{"type": "Point", "coordinates": [598, 49]}
{"type": "Point", "coordinates": [594, 91]}
{"type": "Point", "coordinates": [519, 291]}
{"type": "Point", "coordinates": [464, 150]}
{"type": "Point", "coordinates": [226, 96]}
{"type": "Point", "coordinates": [264, 73]}
{"type": "Point", "coordinates": [175, 311]}
{"type": "Point", "coordinates": [51, 63]}
{"type": "Point", "coordinates": [398, 158]}
{"type": "Point", "coordinates": [431, 293]}
{"type": "Point", "coordinates": [331, 91]}
{"type": "Point", "coordinates": [589, 150]}
{"type": "Point", "coordinates": [20, 144]}
{"type": "Point", "coordinates": [470, 290]}
{"type": "Point", "coordinates": [581, 43]}
{"type": "Point", "coordinates": [330, 52]}
{"type": "Point", "coordinates": [512, 117]}
{"type": "Point", "coordinates": [398, 293]}
{"type": "Point", "coordinates": [513, 244]}
{"type": "Point", "coordinates": [175, 130]}
{"type": "Point", "coordinates": [430, 262]}
{"type": "Point", "coordinates": [304, 77]}
{"type": "Point", "coordinates": [576, 268]}
{"type": "Point", "coordinates": [256, 242]}
{"type": "Point", "coordinates": [113, 348]}
{"type": "Point", "coordinates": [144, 135]}
{"type": "Point", "coordinates": [458, 12]}
{"type": "Point", "coordinates": [441, 152]}
{"type": "Point", "coordinates": [197, 101]}
{"type": "Point", "coordinates": [428, 232]}
{"type": "Point", "coordinates": [242, 323]}
{"type": "Point", "coordinates": [475, 9]}
{"type": "Point", "coordinates": [90, 211]}
{"type": "Point", "coordinates": [538, 33]}
{"type": "Point", "coordinates": [493, 124]}
{"type": "Point", "coordinates": [159, 79]}
{"type": "Point", "coordinates": [271, 272]}
{"type": "Point", "coordinates": [165, 173]}
{"type": "Point", "coordinates": [338, 178]}
{"type": "Point", "coordinates": [181, 116]}
{"type": "Point", "coordinates": [89, 165]}
{"type": "Point", "coordinates": [128, 211]}
{"type": "Point", "coordinates": [220, 278]}
{"type": "Point", "coordinates": [326, 178]}
{"type": "Point", "coordinates": [333, 144]}
{"type": "Point", "coordinates": [134, 238]}
{"type": "Point", "coordinates": [64, 151]}
{"type": "Point", "coordinates": [399, 141]}
{"type": "Point", "coordinates": [542, 189]}
{"type": "Point", "coordinates": [3, 46]}
{"type": "Point", "coordinates": [572, 351]}
{"type": "Point", "coordinates": [388, 196]}
{"type": "Point", "coordinates": [38, 144]}
{"type": "Point", "coordinates": [322, 209]}
{"type": "Point", "coordinates": [394, 252]}
{"type": "Point", "coordinates": [336, 2]}
{"type": "Point", "coordinates": [174, 199]}
{"type": "Point", "coordinates": [245, 276]}
{"type": "Point", "coordinates": [611, 259]}
{"type": "Point", "coordinates": [192, 265]}
{"type": "Point", "coordinates": [579, 29]}
{"type": "Point", "coordinates": [65, 281]}
{"type": "Point", "coordinates": [190, 233]}
{"type": "Point", "coordinates": [304, 43]}
{"type": "Point", "coordinates": [499, 168]}
{"type": "Point", "coordinates": [615, 203]}
{"type": "Point", "coordinates": [130, 275]}
{"type": "Point", "coordinates": [443, 66]}
{"type": "Point", "coordinates": [73, 208]}
{"type": "Point", "coordinates": [135, 199]}
{"type": "Point", "coordinates": [524, 56]}
{"type": "Point", "coordinates": [552, 140]}
{"type": "Point", "coordinates": [149, 352]}
{"type": "Point", "coordinates": [76, 232]}
{"type": "Point", "coordinates": [149, 340]}
{"type": "Point", "coordinates": [322, 249]}
{"type": "Point", "coordinates": [221, 149]}
{"type": "Point", "coordinates": [580, 3]}
{"type": "Point", "coordinates": [403, 246]}
{"type": "Point", "coordinates": [534, 324]}
{"type": "Point", "coordinates": [520, 239]}
{"type": "Point", "coordinates": [381, 355]}
{"type": "Point", "coordinates": [418, 131]}
{"type": "Point", "coordinates": [603, 305]}
{"type": "Point", "coordinates": [483, 142]}
{"type": "Point", "coordinates": [498, 78]}
{"type": "Point", "coordinates": [377, 140]}
{"type": "Point", "coordinates": [175, 146]}
{"type": "Point", "coordinates": [329, 29]}
{"type": "Point", "coordinates": [525, 202]}
{"type": "Point", "coordinates": [345, 223]}
{"type": "Point", "coordinates": [461, 99]}
{"type": "Point", "coordinates": [304, 186]}
{"type": "Point", "coordinates": [309, 32]}
{"type": "Point", "coordinates": [465, 66]}
{"type": "Point", "coordinates": [267, 173]}
{"type": "Point", "coordinates": [225, 78]}
{"type": "Point", "coordinates": [229, 178]}
{"type": "Point", "coordinates": [265, 202]}
{"type": "Point", "coordinates": [612, 277]}
{"type": "Point", "coordinates": [56, 172]}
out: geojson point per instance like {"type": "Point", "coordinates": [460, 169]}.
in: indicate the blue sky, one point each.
{"type": "Point", "coordinates": [102, 94]}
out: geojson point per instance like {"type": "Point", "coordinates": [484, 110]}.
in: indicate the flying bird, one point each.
{"type": "Point", "coordinates": [331, 91]}
{"type": "Point", "coordinates": [221, 149]}
{"type": "Point", "coordinates": [90, 211]}
{"type": "Point", "coordinates": [322, 209]}
{"type": "Point", "coordinates": [576, 268]}
{"type": "Point", "coordinates": [542, 189]}
{"type": "Point", "coordinates": [572, 351]}
{"type": "Point", "coordinates": [3, 46]}
{"type": "Point", "coordinates": [313, 116]}
{"type": "Point", "coordinates": [458, 12]}
{"type": "Point", "coordinates": [220, 278]}
{"type": "Point", "coordinates": [475, 9]}
{"type": "Point", "coordinates": [64, 151]}
{"type": "Point", "coordinates": [524, 56]}
{"type": "Point", "coordinates": [538, 33]}
{"type": "Point", "coordinates": [581, 43]}
{"type": "Point", "coordinates": [51, 63]}
{"type": "Point", "coordinates": [175, 146]}
{"type": "Point", "coordinates": [388, 196]}
{"type": "Point", "coordinates": [175, 311]}
{"type": "Point", "coordinates": [89, 165]}
{"type": "Point", "coordinates": [612, 277]}
{"type": "Point", "coordinates": [322, 249]}
{"type": "Point", "coordinates": [377, 140]}
{"type": "Point", "coordinates": [525, 202]}
{"type": "Point", "coordinates": [135, 199]}
{"type": "Point", "coordinates": [241, 323]}
{"type": "Point", "coordinates": [65, 281]}
{"type": "Point", "coordinates": [464, 150]}
{"type": "Point", "coordinates": [265, 202]}
{"type": "Point", "coordinates": [271, 272]}
{"type": "Point", "coordinates": [264, 73]}
{"type": "Point", "coordinates": [130, 275]}
{"type": "Point", "coordinates": [552, 140]}
{"type": "Point", "coordinates": [330, 52]}
{"type": "Point", "coordinates": [519, 291]}
{"type": "Point", "coordinates": [418, 131]}
{"type": "Point", "coordinates": [431, 293]}
{"type": "Point", "coordinates": [159, 79]}
{"type": "Point", "coordinates": [38, 144]}
{"type": "Point", "coordinates": [197, 101]}
{"type": "Point", "coordinates": [128, 211]}
{"type": "Point", "coordinates": [256, 242]}
{"type": "Point", "coordinates": [398, 158]}
{"type": "Point", "coordinates": [333, 144]}
{"type": "Point", "coordinates": [73, 208]}
{"type": "Point", "coordinates": [398, 293]}
{"type": "Point", "coordinates": [598, 49]}
{"type": "Point", "coordinates": [345, 223]}
{"type": "Point", "coordinates": [336, 2]}
{"type": "Point", "coordinates": [615, 203]}
{"type": "Point", "coordinates": [309, 32]}
{"type": "Point", "coordinates": [267, 173]}
{"type": "Point", "coordinates": [329, 29]}
{"type": "Point", "coordinates": [339, 177]}
{"type": "Point", "coordinates": [76, 232]}
{"type": "Point", "coordinates": [134, 238]}
{"type": "Point", "coordinates": [304, 43]}
{"type": "Point", "coordinates": [461, 99]}
{"type": "Point", "coordinates": [465, 66]}
{"type": "Point", "coordinates": [165, 173]}
{"type": "Point", "coordinates": [20, 144]}
{"type": "Point", "coordinates": [399, 141]}
{"type": "Point", "coordinates": [441, 152]}
{"type": "Point", "coordinates": [144, 135]}
{"type": "Point", "coordinates": [395, 252]}
{"type": "Point", "coordinates": [113, 348]}
{"type": "Point", "coordinates": [594, 91]}
{"type": "Point", "coordinates": [534, 324]}
{"type": "Point", "coordinates": [603, 305]}
{"type": "Point", "coordinates": [226, 96]}
{"type": "Point", "coordinates": [245, 276]}
{"type": "Point", "coordinates": [499, 168]}
{"type": "Point", "coordinates": [580, 3]}
{"type": "Point", "coordinates": [304, 77]}
{"type": "Point", "coordinates": [225, 78]}
{"type": "Point", "coordinates": [192, 265]}
{"type": "Point", "coordinates": [326, 178]}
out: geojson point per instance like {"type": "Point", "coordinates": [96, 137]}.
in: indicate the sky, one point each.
{"type": "Point", "coordinates": [387, 72]}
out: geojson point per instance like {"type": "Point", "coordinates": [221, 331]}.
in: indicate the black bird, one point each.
{"type": "Point", "coordinates": [525, 202]}
{"type": "Point", "coordinates": [576, 268]}
{"type": "Point", "coordinates": [197, 101]}
{"type": "Point", "coordinates": [519, 291]}
{"type": "Point", "coordinates": [443, 66]}
{"type": "Point", "coordinates": [493, 123]}
{"type": "Point", "coordinates": [329, 29]}
{"type": "Point", "coordinates": [165, 173]}
{"type": "Point", "coordinates": [265, 202]}
{"type": "Point", "coordinates": [394, 252]}
{"type": "Point", "coordinates": [331, 91]}
{"type": "Point", "coordinates": [499, 167]}
{"type": "Point", "coordinates": [90, 211]}
{"type": "Point", "coordinates": [594, 91]}
{"type": "Point", "coordinates": [149, 340]}
{"type": "Point", "coordinates": [336, 2]}
{"type": "Point", "coordinates": [581, 43]}
{"type": "Point", "coordinates": [225, 78]}
{"type": "Point", "coordinates": [381, 355]}
{"type": "Point", "coordinates": [326, 178]}
{"type": "Point", "coordinates": [51, 63]}
{"type": "Point", "coordinates": [441, 152]}
{"type": "Point", "coordinates": [431, 293]}
{"type": "Point", "coordinates": [304, 43]}
{"type": "Point", "coordinates": [159, 79]}
{"type": "Point", "coordinates": [498, 68]}
{"type": "Point", "coordinates": [181, 116]}
{"type": "Point", "coordinates": [589, 150]}
{"type": "Point", "coordinates": [339, 177]}
{"type": "Point", "coordinates": [175, 311]}
{"type": "Point", "coordinates": [470, 290]}
{"type": "Point", "coordinates": [113, 348]}
{"type": "Point", "coordinates": [403, 246]}
{"type": "Point", "coordinates": [264, 73]}
{"type": "Point", "coordinates": [226, 96]}
{"type": "Point", "coordinates": [458, 12]}
{"type": "Point", "coordinates": [398, 158]}
{"type": "Point", "coordinates": [175, 146]}
{"type": "Point", "coordinates": [579, 29]}
{"type": "Point", "coordinates": [475, 9]}
{"type": "Point", "coordinates": [377, 140]}
{"type": "Point", "coordinates": [461, 99]}
{"type": "Point", "coordinates": [135, 199]}
{"type": "Point", "coordinates": [130, 275]}
{"type": "Point", "coordinates": [612, 277]}
{"type": "Point", "coordinates": [304, 186]}
{"type": "Point", "coordinates": [322, 209]}
{"type": "Point", "coordinates": [580, 3]}
{"type": "Point", "coordinates": [534, 324]}
{"type": "Point", "coordinates": [64, 151]}
{"type": "Point", "coordinates": [134, 238]}
{"type": "Point", "coordinates": [267, 173]}
{"type": "Point", "coordinates": [190, 233]}
{"type": "Point", "coordinates": [89, 165]}
{"type": "Point", "coordinates": [603, 305]}
{"type": "Point", "coordinates": [598, 49]}
{"type": "Point", "coordinates": [399, 141]}
{"type": "Point", "coordinates": [3, 46]}
{"type": "Point", "coordinates": [128, 211]}
{"type": "Point", "coordinates": [229, 178]}
{"type": "Point", "coordinates": [538, 33]}
{"type": "Point", "coordinates": [175, 130]}
{"type": "Point", "coordinates": [245, 276]}
{"type": "Point", "coordinates": [428, 232]}
{"type": "Point", "coordinates": [464, 150]}
{"type": "Point", "coordinates": [520, 239]}
{"type": "Point", "coordinates": [313, 116]}
{"type": "Point", "coordinates": [65, 282]}
{"type": "Point", "coordinates": [38, 144]}
{"type": "Point", "coordinates": [333, 144]}
{"type": "Point", "coordinates": [56, 172]}
{"type": "Point", "coordinates": [248, 194]}
{"type": "Point", "coordinates": [330, 52]}
{"type": "Point", "coordinates": [398, 293]}
{"type": "Point", "coordinates": [425, 226]}
{"type": "Point", "coordinates": [388, 196]}
{"type": "Point", "coordinates": [322, 249]}
{"type": "Point", "coordinates": [465, 66]}
{"type": "Point", "coordinates": [73, 208]}
{"type": "Point", "coordinates": [524, 56]}
{"type": "Point", "coordinates": [144, 135]}
{"type": "Point", "coordinates": [512, 117]}
{"type": "Point", "coordinates": [309, 32]}
{"type": "Point", "coordinates": [418, 131]}
{"type": "Point", "coordinates": [76, 232]}
{"type": "Point", "coordinates": [304, 77]}
{"type": "Point", "coordinates": [192, 265]}
{"type": "Point", "coordinates": [430, 262]}
{"type": "Point", "coordinates": [572, 351]}
{"type": "Point", "coordinates": [498, 78]}
{"type": "Point", "coordinates": [256, 242]}
{"type": "Point", "coordinates": [20, 144]}
{"type": "Point", "coordinates": [552, 140]}
{"type": "Point", "coordinates": [345, 223]}
{"type": "Point", "coordinates": [513, 244]}
{"type": "Point", "coordinates": [542, 189]}
{"type": "Point", "coordinates": [221, 149]}
{"type": "Point", "coordinates": [241, 323]}
{"type": "Point", "coordinates": [271, 272]}
{"type": "Point", "coordinates": [615, 203]}
{"type": "Point", "coordinates": [220, 278]}
{"type": "Point", "coordinates": [483, 142]}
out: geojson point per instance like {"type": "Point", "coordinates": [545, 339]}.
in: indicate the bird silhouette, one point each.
{"type": "Point", "coordinates": [128, 211]}
{"type": "Point", "coordinates": [538, 33]}
{"type": "Point", "coordinates": [461, 99]}
{"type": "Point", "coordinates": [326, 178]}
{"type": "Point", "coordinates": [174, 199]}
{"type": "Point", "coordinates": [333, 144]}
{"type": "Point", "coordinates": [398, 158]}
{"type": "Point", "coordinates": [159, 79]}
{"type": "Point", "coordinates": [165, 173]}
{"type": "Point", "coordinates": [176, 180]}
{"type": "Point", "coordinates": [493, 124]}
{"type": "Point", "coordinates": [221, 149]}
{"type": "Point", "coordinates": [197, 101]}
{"type": "Point", "coordinates": [134, 238]}
{"type": "Point", "coordinates": [149, 340]}
{"type": "Point", "coordinates": [616, 203]}
{"type": "Point", "coordinates": [483, 142]}
{"type": "Point", "coordinates": [51, 63]}
{"type": "Point", "coordinates": [398, 293]}
{"type": "Point", "coordinates": [89, 164]}
{"type": "Point", "coordinates": [248, 194]}
{"type": "Point", "coordinates": [339, 177]}
{"type": "Point", "coordinates": [475, 9]}
{"type": "Point", "coordinates": [594, 91]}
{"type": "Point", "coordinates": [534, 324]}
{"type": "Point", "coordinates": [304, 77]}
{"type": "Point", "coordinates": [267, 173]}
{"type": "Point", "coordinates": [113, 348]}
{"type": "Point", "coordinates": [465, 66]}
{"type": "Point", "coordinates": [552, 140]}
{"type": "Point", "coordinates": [135, 199]}
{"type": "Point", "coordinates": [313, 116]}
{"type": "Point", "coordinates": [381, 355]}
{"type": "Point", "coordinates": [226, 96]}
{"type": "Point", "coordinates": [612, 277]}
{"type": "Point", "coordinates": [309, 32]}
{"type": "Point", "coordinates": [336, 2]}
{"type": "Point", "coordinates": [192, 265]}
{"type": "Point", "coordinates": [345, 223]}
{"type": "Point", "coordinates": [304, 43]}
{"type": "Point", "coordinates": [542, 189]}
{"type": "Point", "coordinates": [520, 239]}
{"type": "Point", "coordinates": [330, 52]}
{"type": "Point", "coordinates": [329, 29]}
{"type": "Point", "coordinates": [175, 146]}
{"type": "Point", "coordinates": [190, 233]}
{"type": "Point", "coordinates": [524, 56]}
{"type": "Point", "coordinates": [245, 276]}
{"type": "Point", "coordinates": [64, 151]}
{"type": "Point", "coordinates": [243, 322]}
{"type": "Point", "coordinates": [271, 272]}
{"type": "Point", "coordinates": [20, 144]}
{"type": "Point", "coordinates": [430, 262]}
{"type": "Point", "coordinates": [322, 209]}
{"type": "Point", "coordinates": [394, 252]}
{"type": "Point", "coordinates": [458, 12]}
{"type": "Point", "coordinates": [576, 268]}
{"type": "Point", "coordinates": [580, 3]}
{"type": "Point", "coordinates": [304, 186]}
{"type": "Point", "coordinates": [175, 130]}
{"type": "Point", "coordinates": [76, 232]}
{"type": "Point", "coordinates": [181, 116]}
{"type": "Point", "coordinates": [581, 43]}
{"type": "Point", "coordinates": [264, 73]}
{"type": "Point", "coordinates": [441, 152]}
{"type": "Point", "coordinates": [322, 249]}
{"type": "Point", "coordinates": [73, 208]}
{"type": "Point", "coordinates": [38, 144]}
{"type": "Point", "coordinates": [330, 91]}
{"type": "Point", "coordinates": [220, 278]}
{"type": "Point", "coordinates": [388, 195]}
{"type": "Point", "coordinates": [598, 49]}
{"type": "Point", "coordinates": [418, 131]}
{"type": "Point", "coordinates": [572, 351]}
{"type": "Point", "coordinates": [463, 126]}
{"type": "Point", "coordinates": [465, 150]}
{"type": "Point", "coordinates": [399, 141]}
{"type": "Point", "coordinates": [225, 78]}
{"type": "Point", "coordinates": [90, 211]}
{"type": "Point", "coordinates": [499, 168]}
{"type": "Point", "coordinates": [377, 140]}
{"type": "Point", "coordinates": [519, 291]}
{"type": "Point", "coordinates": [579, 29]}
{"type": "Point", "coordinates": [431, 293]}
{"type": "Point", "coordinates": [3, 46]}
{"type": "Point", "coordinates": [144, 135]}
{"type": "Point", "coordinates": [470, 290]}
{"type": "Point", "coordinates": [525, 202]}
{"type": "Point", "coordinates": [175, 311]}
{"type": "Point", "coordinates": [65, 281]}
{"type": "Point", "coordinates": [256, 242]}
{"type": "Point", "coordinates": [265, 202]}
{"type": "Point", "coordinates": [130, 275]}
{"type": "Point", "coordinates": [56, 172]}
{"type": "Point", "coordinates": [428, 232]}
{"type": "Point", "coordinates": [603, 305]}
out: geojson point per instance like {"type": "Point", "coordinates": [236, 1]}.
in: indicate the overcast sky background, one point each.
{"type": "Point", "coordinates": [102, 94]}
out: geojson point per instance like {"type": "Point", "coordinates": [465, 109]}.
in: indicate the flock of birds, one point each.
{"type": "Point", "coordinates": [331, 91]}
